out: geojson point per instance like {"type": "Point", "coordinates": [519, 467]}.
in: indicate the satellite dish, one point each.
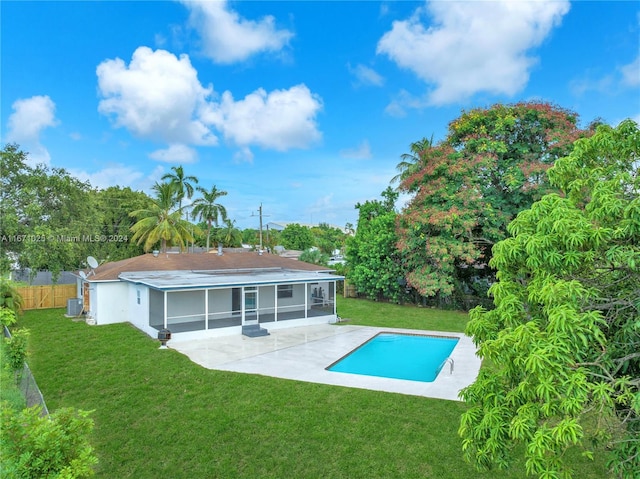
{"type": "Point", "coordinates": [83, 275]}
{"type": "Point", "coordinates": [91, 261]}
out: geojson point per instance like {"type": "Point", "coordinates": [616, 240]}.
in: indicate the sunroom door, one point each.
{"type": "Point", "coordinates": [249, 305]}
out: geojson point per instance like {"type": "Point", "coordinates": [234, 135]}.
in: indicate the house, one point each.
{"type": "Point", "coordinates": [197, 295]}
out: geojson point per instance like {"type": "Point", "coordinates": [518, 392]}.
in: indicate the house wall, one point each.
{"type": "Point", "coordinates": [139, 307]}
{"type": "Point", "coordinates": [109, 302]}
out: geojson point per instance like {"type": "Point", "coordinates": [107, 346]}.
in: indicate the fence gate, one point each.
{"type": "Point", "coordinates": [47, 296]}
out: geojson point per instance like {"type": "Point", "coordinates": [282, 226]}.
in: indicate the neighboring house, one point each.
{"type": "Point", "coordinates": [197, 295]}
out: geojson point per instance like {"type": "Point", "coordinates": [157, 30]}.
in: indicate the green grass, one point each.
{"type": "Point", "coordinates": [157, 414]}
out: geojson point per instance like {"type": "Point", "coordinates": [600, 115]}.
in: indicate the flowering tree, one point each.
{"type": "Point", "coordinates": [491, 165]}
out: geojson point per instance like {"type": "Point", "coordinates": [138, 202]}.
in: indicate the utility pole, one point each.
{"type": "Point", "coordinates": [260, 210]}
{"type": "Point", "coordinates": [261, 215]}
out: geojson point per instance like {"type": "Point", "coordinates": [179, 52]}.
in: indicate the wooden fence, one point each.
{"type": "Point", "coordinates": [48, 296]}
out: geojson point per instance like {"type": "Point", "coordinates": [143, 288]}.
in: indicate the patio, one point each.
{"type": "Point", "coordinates": [303, 353]}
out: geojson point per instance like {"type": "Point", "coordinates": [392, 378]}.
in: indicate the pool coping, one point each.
{"type": "Point", "coordinates": [303, 353]}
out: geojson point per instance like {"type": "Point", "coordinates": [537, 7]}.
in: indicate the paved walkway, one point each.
{"type": "Point", "coordinates": [303, 353]}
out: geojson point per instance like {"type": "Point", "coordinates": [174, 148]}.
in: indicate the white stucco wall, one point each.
{"type": "Point", "coordinates": [139, 307]}
{"type": "Point", "coordinates": [109, 302]}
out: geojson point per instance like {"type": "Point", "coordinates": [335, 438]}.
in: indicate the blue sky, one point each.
{"type": "Point", "coordinates": [303, 107]}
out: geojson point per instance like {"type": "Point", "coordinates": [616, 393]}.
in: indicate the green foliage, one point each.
{"type": "Point", "coordinates": [44, 214]}
{"type": "Point", "coordinates": [161, 222]}
{"type": "Point", "coordinates": [208, 209]}
{"type": "Point", "coordinates": [412, 162]}
{"type": "Point", "coordinates": [10, 297]}
{"type": "Point", "coordinates": [564, 336]}
{"type": "Point", "coordinates": [375, 266]}
{"type": "Point", "coordinates": [113, 206]}
{"type": "Point", "coordinates": [297, 237]}
{"type": "Point", "coordinates": [10, 395]}
{"type": "Point", "coordinates": [16, 349]}
{"type": "Point", "coordinates": [491, 165]}
{"type": "Point", "coordinates": [314, 256]}
{"type": "Point", "coordinates": [183, 186]}
{"type": "Point", "coordinates": [56, 446]}
{"type": "Point", "coordinates": [328, 238]}
{"type": "Point", "coordinates": [229, 235]}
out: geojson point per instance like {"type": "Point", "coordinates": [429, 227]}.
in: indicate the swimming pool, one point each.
{"type": "Point", "coordinates": [398, 356]}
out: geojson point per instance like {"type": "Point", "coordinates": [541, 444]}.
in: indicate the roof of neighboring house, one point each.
{"type": "Point", "coordinates": [199, 262]}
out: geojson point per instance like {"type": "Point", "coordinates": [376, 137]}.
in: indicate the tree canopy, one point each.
{"type": "Point", "coordinates": [375, 265]}
{"type": "Point", "coordinates": [297, 237]}
{"type": "Point", "coordinates": [208, 209]}
{"type": "Point", "coordinates": [161, 222]}
{"type": "Point", "coordinates": [45, 214]}
{"type": "Point", "coordinates": [491, 165]}
{"type": "Point", "coordinates": [563, 342]}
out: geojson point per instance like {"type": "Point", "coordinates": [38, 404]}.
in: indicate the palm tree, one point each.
{"type": "Point", "coordinates": [161, 221]}
{"type": "Point", "coordinates": [183, 184]}
{"type": "Point", "coordinates": [412, 162]}
{"type": "Point", "coordinates": [230, 236]}
{"type": "Point", "coordinates": [208, 210]}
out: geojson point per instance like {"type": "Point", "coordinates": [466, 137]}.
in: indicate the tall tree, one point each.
{"type": "Point", "coordinates": [229, 235]}
{"type": "Point", "coordinates": [412, 162]}
{"type": "Point", "coordinates": [46, 215]}
{"type": "Point", "coordinates": [161, 222]}
{"type": "Point", "coordinates": [328, 238]}
{"type": "Point", "coordinates": [113, 205]}
{"type": "Point", "coordinates": [184, 185]}
{"type": "Point", "coordinates": [207, 208]}
{"type": "Point", "coordinates": [491, 166]}
{"type": "Point", "coordinates": [564, 338]}
{"type": "Point", "coordinates": [297, 237]}
{"type": "Point", "coordinates": [374, 264]}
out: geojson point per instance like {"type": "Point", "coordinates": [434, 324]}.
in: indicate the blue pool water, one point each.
{"type": "Point", "coordinates": [398, 356]}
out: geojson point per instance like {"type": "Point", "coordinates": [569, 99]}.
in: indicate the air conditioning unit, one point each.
{"type": "Point", "coordinates": [74, 307]}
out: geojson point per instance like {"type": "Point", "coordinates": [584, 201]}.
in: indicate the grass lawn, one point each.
{"type": "Point", "coordinates": [158, 415]}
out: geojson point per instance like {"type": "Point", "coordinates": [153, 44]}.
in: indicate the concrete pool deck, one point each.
{"type": "Point", "coordinates": [303, 353]}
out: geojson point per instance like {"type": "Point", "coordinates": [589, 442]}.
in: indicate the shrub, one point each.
{"type": "Point", "coordinates": [16, 352]}
{"type": "Point", "coordinates": [54, 446]}
{"type": "Point", "coordinates": [7, 317]}
{"type": "Point", "coordinates": [10, 297]}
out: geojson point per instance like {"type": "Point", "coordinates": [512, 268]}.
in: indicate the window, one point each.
{"type": "Point", "coordinates": [285, 291]}
{"type": "Point", "coordinates": [138, 295]}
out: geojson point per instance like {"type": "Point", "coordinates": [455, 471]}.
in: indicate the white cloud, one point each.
{"type": "Point", "coordinates": [631, 73]}
{"type": "Point", "coordinates": [228, 38]}
{"type": "Point", "coordinates": [365, 75]}
{"type": "Point", "coordinates": [362, 152]}
{"type": "Point", "coordinates": [280, 120]}
{"type": "Point", "coordinates": [112, 175]}
{"type": "Point", "coordinates": [472, 46]}
{"type": "Point", "coordinates": [244, 155]}
{"type": "Point", "coordinates": [176, 153]}
{"type": "Point", "coordinates": [157, 96]}
{"type": "Point", "coordinates": [404, 100]}
{"type": "Point", "coordinates": [117, 174]}
{"type": "Point", "coordinates": [30, 117]}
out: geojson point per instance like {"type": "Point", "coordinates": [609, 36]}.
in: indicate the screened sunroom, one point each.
{"type": "Point", "coordinates": [185, 302]}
